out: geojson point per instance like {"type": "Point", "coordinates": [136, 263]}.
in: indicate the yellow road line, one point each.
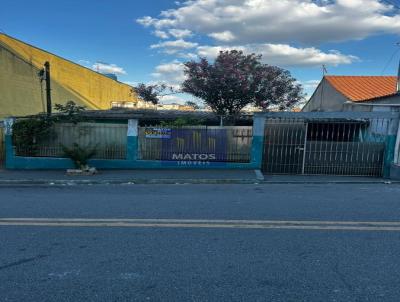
{"type": "Point", "coordinates": [194, 223]}
{"type": "Point", "coordinates": [222, 221]}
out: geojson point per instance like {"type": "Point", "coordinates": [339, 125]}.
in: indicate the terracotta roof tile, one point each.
{"type": "Point", "coordinates": [364, 88]}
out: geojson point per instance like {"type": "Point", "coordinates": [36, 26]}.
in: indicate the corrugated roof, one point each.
{"type": "Point", "coordinates": [364, 88]}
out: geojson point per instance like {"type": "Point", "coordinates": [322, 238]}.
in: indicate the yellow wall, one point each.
{"type": "Point", "coordinates": [20, 89]}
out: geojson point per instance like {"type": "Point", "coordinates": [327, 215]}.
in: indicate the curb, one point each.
{"type": "Point", "coordinates": [74, 182]}
{"type": "Point", "coordinates": [125, 182]}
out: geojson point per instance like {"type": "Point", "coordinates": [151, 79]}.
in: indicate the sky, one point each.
{"type": "Point", "coordinates": [147, 41]}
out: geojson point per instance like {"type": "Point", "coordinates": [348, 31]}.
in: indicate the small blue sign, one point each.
{"type": "Point", "coordinates": [157, 133]}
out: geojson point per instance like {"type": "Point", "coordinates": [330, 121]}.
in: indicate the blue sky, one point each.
{"type": "Point", "coordinates": [146, 41]}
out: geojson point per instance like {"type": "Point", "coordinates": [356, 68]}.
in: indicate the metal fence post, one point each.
{"type": "Point", "coordinates": [9, 148]}
{"type": "Point", "coordinates": [132, 140]}
{"type": "Point", "coordinates": [397, 148]}
{"type": "Point", "coordinates": [390, 146]}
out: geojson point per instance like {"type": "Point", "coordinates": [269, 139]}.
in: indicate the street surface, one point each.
{"type": "Point", "coordinates": [298, 242]}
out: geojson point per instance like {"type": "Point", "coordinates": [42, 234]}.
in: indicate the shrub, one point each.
{"type": "Point", "coordinates": [80, 156]}
{"type": "Point", "coordinates": [29, 133]}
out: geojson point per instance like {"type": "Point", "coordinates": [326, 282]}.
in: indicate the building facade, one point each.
{"type": "Point", "coordinates": [355, 93]}
{"type": "Point", "coordinates": [23, 92]}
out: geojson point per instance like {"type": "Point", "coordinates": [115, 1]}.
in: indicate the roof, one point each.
{"type": "Point", "coordinates": [153, 117]}
{"type": "Point", "coordinates": [364, 88]}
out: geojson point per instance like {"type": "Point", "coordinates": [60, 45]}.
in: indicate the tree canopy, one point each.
{"type": "Point", "coordinates": [236, 80]}
{"type": "Point", "coordinates": [192, 104]}
{"type": "Point", "coordinates": [150, 93]}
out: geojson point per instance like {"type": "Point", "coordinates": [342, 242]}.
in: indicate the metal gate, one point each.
{"type": "Point", "coordinates": [331, 147]}
{"type": "Point", "coordinates": [2, 147]}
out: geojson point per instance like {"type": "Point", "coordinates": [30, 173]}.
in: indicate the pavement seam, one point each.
{"type": "Point", "coordinates": [184, 181]}
{"type": "Point", "coordinates": [316, 226]}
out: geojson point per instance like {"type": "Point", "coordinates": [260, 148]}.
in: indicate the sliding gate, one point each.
{"type": "Point", "coordinates": [335, 147]}
{"type": "Point", "coordinates": [2, 147]}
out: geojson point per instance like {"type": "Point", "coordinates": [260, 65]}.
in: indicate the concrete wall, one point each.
{"type": "Point", "coordinates": [21, 90]}
{"type": "Point", "coordinates": [395, 169]}
{"type": "Point", "coordinates": [326, 99]}
{"type": "Point", "coordinates": [131, 161]}
{"type": "Point", "coordinates": [395, 100]}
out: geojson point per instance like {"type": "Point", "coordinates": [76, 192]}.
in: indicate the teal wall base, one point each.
{"type": "Point", "coordinates": [132, 148]}
{"type": "Point", "coordinates": [257, 149]}
{"type": "Point", "coordinates": [395, 172]}
{"type": "Point", "coordinates": [389, 155]}
{"type": "Point", "coordinates": [9, 152]}
{"type": "Point", "coordinates": [48, 163]}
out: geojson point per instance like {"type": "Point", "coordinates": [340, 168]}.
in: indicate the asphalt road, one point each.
{"type": "Point", "coordinates": [200, 243]}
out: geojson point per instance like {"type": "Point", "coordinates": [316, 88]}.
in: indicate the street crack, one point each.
{"type": "Point", "coordinates": [22, 261]}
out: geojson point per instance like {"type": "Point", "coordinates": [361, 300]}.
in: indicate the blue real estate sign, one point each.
{"type": "Point", "coordinates": [157, 133]}
{"type": "Point", "coordinates": [194, 147]}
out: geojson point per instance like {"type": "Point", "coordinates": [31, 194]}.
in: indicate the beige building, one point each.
{"type": "Point", "coordinates": [355, 93]}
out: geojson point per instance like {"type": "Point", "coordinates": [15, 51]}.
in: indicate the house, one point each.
{"type": "Point", "coordinates": [175, 106]}
{"type": "Point", "coordinates": [140, 104]}
{"type": "Point", "coordinates": [23, 91]}
{"type": "Point", "coordinates": [355, 93]}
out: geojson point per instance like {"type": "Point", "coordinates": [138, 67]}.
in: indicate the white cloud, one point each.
{"type": "Point", "coordinates": [170, 74]}
{"type": "Point", "coordinates": [224, 36]}
{"type": "Point", "coordinates": [161, 34]}
{"type": "Point", "coordinates": [285, 32]}
{"type": "Point", "coordinates": [310, 85]}
{"type": "Point", "coordinates": [146, 21]}
{"type": "Point", "coordinates": [108, 68]}
{"type": "Point", "coordinates": [187, 56]}
{"type": "Point", "coordinates": [172, 47]}
{"type": "Point", "coordinates": [180, 33]}
{"type": "Point", "coordinates": [172, 99]}
{"type": "Point", "coordinates": [131, 83]}
{"type": "Point", "coordinates": [284, 55]}
{"type": "Point", "coordinates": [272, 21]}
{"type": "Point", "coordinates": [85, 63]}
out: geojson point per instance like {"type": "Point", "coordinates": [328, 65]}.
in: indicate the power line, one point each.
{"type": "Point", "coordinates": [397, 6]}
{"type": "Point", "coordinates": [391, 58]}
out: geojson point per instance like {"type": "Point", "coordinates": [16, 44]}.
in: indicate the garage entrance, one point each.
{"type": "Point", "coordinates": [324, 147]}
{"type": "Point", "coordinates": [2, 147]}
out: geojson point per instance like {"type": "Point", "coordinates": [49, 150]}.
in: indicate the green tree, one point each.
{"type": "Point", "coordinates": [153, 93]}
{"type": "Point", "coordinates": [192, 104]}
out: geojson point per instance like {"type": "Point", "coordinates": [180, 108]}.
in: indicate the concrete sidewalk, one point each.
{"type": "Point", "coordinates": [8, 177]}
{"type": "Point", "coordinates": [58, 177]}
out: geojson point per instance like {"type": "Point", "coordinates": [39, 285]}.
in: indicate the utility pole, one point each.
{"type": "Point", "coordinates": [398, 71]}
{"type": "Point", "coordinates": [48, 87]}
{"type": "Point", "coordinates": [324, 70]}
